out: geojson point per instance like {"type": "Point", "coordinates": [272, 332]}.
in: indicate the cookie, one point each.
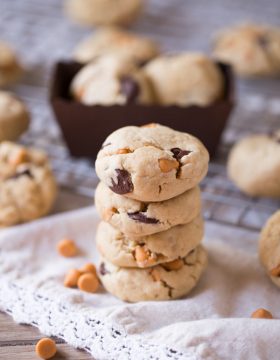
{"type": "Point", "coordinates": [151, 163]}
{"type": "Point", "coordinates": [162, 282]}
{"type": "Point", "coordinates": [27, 185]}
{"type": "Point", "coordinates": [145, 251]}
{"type": "Point", "coordinates": [114, 41]}
{"type": "Point", "coordinates": [14, 117]}
{"type": "Point", "coordinates": [252, 50]}
{"type": "Point", "coordinates": [269, 247]}
{"type": "Point", "coordinates": [186, 79]}
{"type": "Point", "coordinates": [111, 80]}
{"type": "Point", "coordinates": [254, 165]}
{"type": "Point", "coordinates": [136, 218]}
{"type": "Point", "coordinates": [10, 69]}
{"type": "Point", "coordinates": [103, 12]}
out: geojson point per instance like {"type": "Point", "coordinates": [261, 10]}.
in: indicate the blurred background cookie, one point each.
{"type": "Point", "coordinates": [185, 79]}
{"type": "Point", "coordinates": [269, 247]}
{"type": "Point", "coordinates": [27, 185]}
{"type": "Point", "coordinates": [254, 165]}
{"type": "Point", "coordinates": [111, 80]}
{"type": "Point", "coordinates": [14, 116]}
{"type": "Point", "coordinates": [253, 50]}
{"type": "Point", "coordinates": [103, 12]}
{"type": "Point", "coordinates": [114, 41]}
{"type": "Point", "coordinates": [10, 69]}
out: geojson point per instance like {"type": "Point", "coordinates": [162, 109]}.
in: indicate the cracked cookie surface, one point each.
{"type": "Point", "coordinates": [269, 247]}
{"type": "Point", "coordinates": [115, 41]}
{"type": "Point", "coordinates": [162, 282]}
{"type": "Point", "coordinates": [151, 163]}
{"type": "Point", "coordinates": [14, 117]}
{"type": "Point", "coordinates": [138, 218]}
{"type": "Point", "coordinates": [254, 165]}
{"type": "Point", "coordinates": [27, 186]}
{"type": "Point", "coordinates": [252, 50]}
{"type": "Point", "coordinates": [145, 251]}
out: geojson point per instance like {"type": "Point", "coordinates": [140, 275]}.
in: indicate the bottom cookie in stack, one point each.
{"type": "Point", "coordinates": [165, 281]}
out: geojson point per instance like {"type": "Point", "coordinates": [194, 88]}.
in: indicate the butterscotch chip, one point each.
{"type": "Point", "coordinates": [88, 282]}
{"type": "Point", "coordinates": [88, 268]}
{"type": "Point", "coordinates": [67, 248]}
{"type": "Point", "coordinates": [261, 314]}
{"type": "Point", "coordinates": [19, 157]}
{"type": "Point", "coordinates": [45, 348]}
{"type": "Point", "coordinates": [167, 165]}
{"type": "Point", "coordinates": [72, 277]}
{"type": "Point", "coordinates": [124, 151]}
{"type": "Point", "coordinates": [275, 271]}
{"type": "Point", "coordinates": [155, 275]}
{"type": "Point", "coordinates": [150, 125]}
{"type": "Point", "coordinates": [174, 265]}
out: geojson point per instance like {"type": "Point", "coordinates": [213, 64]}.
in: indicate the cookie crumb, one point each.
{"type": "Point", "coordinates": [88, 282]}
{"type": "Point", "coordinates": [262, 314]}
{"type": "Point", "coordinates": [67, 248]}
{"type": "Point", "coordinates": [45, 348]}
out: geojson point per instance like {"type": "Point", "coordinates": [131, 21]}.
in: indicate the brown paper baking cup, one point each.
{"type": "Point", "coordinates": [85, 127]}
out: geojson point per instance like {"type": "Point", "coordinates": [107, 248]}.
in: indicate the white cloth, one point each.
{"type": "Point", "coordinates": [213, 322]}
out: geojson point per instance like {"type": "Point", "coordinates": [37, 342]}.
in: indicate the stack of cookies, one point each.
{"type": "Point", "coordinates": [150, 205]}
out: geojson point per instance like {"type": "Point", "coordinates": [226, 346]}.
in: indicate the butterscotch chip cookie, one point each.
{"type": "Point", "coordinates": [114, 41]}
{"type": "Point", "coordinates": [111, 80]}
{"type": "Point", "coordinates": [151, 163]}
{"type": "Point", "coordinates": [14, 117]}
{"type": "Point", "coordinates": [253, 50]}
{"type": "Point", "coordinates": [161, 282]}
{"type": "Point", "coordinates": [269, 247]}
{"type": "Point", "coordinates": [137, 218]}
{"type": "Point", "coordinates": [103, 12]}
{"type": "Point", "coordinates": [145, 251]}
{"type": "Point", "coordinates": [10, 69]}
{"type": "Point", "coordinates": [27, 185]}
{"type": "Point", "coordinates": [186, 79]}
{"type": "Point", "coordinates": [254, 165]}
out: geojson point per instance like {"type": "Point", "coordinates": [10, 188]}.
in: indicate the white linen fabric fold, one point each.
{"type": "Point", "coordinates": [212, 322]}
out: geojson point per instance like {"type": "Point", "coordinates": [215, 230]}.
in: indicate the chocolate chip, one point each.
{"type": "Point", "coordinates": [179, 153]}
{"type": "Point", "coordinates": [124, 184]}
{"type": "Point", "coordinates": [102, 269]}
{"type": "Point", "coordinates": [139, 216]}
{"type": "Point", "coordinates": [26, 172]}
{"type": "Point", "coordinates": [263, 41]}
{"type": "Point", "coordinates": [129, 88]}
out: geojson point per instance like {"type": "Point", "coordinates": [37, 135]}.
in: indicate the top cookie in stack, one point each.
{"type": "Point", "coordinates": [150, 205]}
{"type": "Point", "coordinates": [151, 163]}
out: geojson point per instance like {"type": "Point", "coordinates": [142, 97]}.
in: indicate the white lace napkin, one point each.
{"type": "Point", "coordinates": [211, 323]}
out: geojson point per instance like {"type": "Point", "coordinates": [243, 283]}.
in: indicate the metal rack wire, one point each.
{"type": "Point", "coordinates": [42, 35]}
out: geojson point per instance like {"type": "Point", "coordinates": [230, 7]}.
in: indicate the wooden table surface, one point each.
{"type": "Point", "coordinates": [177, 25]}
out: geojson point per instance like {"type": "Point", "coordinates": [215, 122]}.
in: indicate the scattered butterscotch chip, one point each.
{"type": "Point", "coordinates": [174, 265]}
{"type": "Point", "coordinates": [67, 248]}
{"type": "Point", "coordinates": [167, 165]}
{"type": "Point", "coordinates": [88, 282]}
{"type": "Point", "coordinates": [262, 314]}
{"type": "Point", "coordinates": [72, 277]}
{"type": "Point", "coordinates": [88, 268]}
{"type": "Point", "coordinates": [275, 271]}
{"type": "Point", "coordinates": [45, 348]}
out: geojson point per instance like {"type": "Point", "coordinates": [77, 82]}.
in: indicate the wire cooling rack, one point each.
{"type": "Point", "coordinates": [42, 35]}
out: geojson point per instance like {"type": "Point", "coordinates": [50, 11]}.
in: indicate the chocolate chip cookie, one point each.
{"type": "Point", "coordinates": [145, 251]}
{"type": "Point", "coordinates": [269, 247]}
{"type": "Point", "coordinates": [252, 49]}
{"type": "Point", "coordinates": [27, 186]}
{"type": "Point", "coordinates": [137, 218]}
{"type": "Point", "coordinates": [14, 117]}
{"type": "Point", "coordinates": [254, 165]}
{"type": "Point", "coordinates": [103, 12]}
{"type": "Point", "coordinates": [114, 41]}
{"type": "Point", "coordinates": [162, 282]}
{"type": "Point", "coordinates": [185, 79]}
{"type": "Point", "coordinates": [151, 163]}
{"type": "Point", "coordinates": [111, 80]}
